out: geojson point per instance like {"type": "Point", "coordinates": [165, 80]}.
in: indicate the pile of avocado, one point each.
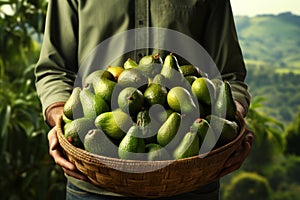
{"type": "Point", "coordinates": [153, 109]}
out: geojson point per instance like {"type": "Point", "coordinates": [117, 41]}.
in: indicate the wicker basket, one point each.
{"type": "Point", "coordinates": [157, 178]}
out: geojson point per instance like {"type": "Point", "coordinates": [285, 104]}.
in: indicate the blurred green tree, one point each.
{"type": "Point", "coordinates": [293, 137]}
{"type": "Point", "coordinates": [20, 22]}
{"type": "Point", "coordinates": [269, 138]}
{"type": "Point", "coordinates": [248, 186]}
{"type": "Point", "coordinates": [27, 171]}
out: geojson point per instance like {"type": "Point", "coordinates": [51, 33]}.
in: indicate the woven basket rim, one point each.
{"type": "Point", "coordinates": [91, 158]}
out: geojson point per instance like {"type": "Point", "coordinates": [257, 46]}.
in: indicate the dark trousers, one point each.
{"type": "Point", "coordinates": [209, 192]}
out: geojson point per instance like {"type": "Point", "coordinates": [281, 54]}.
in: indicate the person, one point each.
{"type": "Point", "coordinates": [75, 27]}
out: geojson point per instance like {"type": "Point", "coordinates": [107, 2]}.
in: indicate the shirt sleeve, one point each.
{"type": "Point", "coordinates": [221, 42]}
{"type": "Point", "coordinates": [56, 68]}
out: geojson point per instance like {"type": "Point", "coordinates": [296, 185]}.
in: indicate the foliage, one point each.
{"type": "Point", "coordinates": [267, 157]}
{"type": "Point", "coordinates": [27, 171]}
{"type": "Point", "coordinates": [292, 164]}
{"type": "Point", "coordinates": [279, 89]}
{"type": "Point", "coordinates": [20, 20]}
{"type": "Point", "coordinates": [248, 186]}
{"type": "Point", "coordinates": [289, 192]}
{"type": "Point", "coordinates": [24, 147]}
{"type": "Point", "coordinates": [283, 174]}
{"type": "Point", "coordinates": [269, 137]}
{"type": "Point", "coordinates": [293, 137]}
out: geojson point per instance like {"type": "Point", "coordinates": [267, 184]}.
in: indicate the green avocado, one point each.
{"type": "Point", "coordinates": [169, 129]}
{"type": "Point", "coordinates": [172, 72]}
{"type": "Point", "coordinates": [151, 65]}
{"type": "Point", "coordinates": [207, 137]}
{"type": "Point", "coordinates": [114, 123]}
{"type": "Point", "coordinates": [97, 142]}
{"type": "Point", "coordinates": [228, 130]}
{"type": "Point", "coordinates": [73, 108]}
{"type": "Point", "coordinates": [155, 94]}
{"type": "Point", "coordinates": [132, 145]}
{"type": "Point", "coordinates": [188, 147]}
{"type": "Point", "coordinates": [224, 105]}
{"type": "Point", "coordinates": [133, 77]}
{"type": "Point", "coordinates": [156, 152]}
{"type": "Point", "coordinates": [129, 64]}
{"type": "Point", "coordinates": [76, 130]}
{"type": "Point", "coordinates": [92, 105]}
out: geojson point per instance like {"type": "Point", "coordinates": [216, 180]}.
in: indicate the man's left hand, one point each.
{"type": "Point", "coordinates": [236, 160]}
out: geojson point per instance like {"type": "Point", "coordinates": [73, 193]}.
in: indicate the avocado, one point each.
{"type": "Point", "coordinates": [225, 106]}
{"type": "Point", "coordinates": [190, 70]}
{"type": "Point", "coordinates": [148, 125]}
{"type": "Point", "coordinates": [104, 89]}
{"type": "Point", "coordinates": [76, 130]}
{"type": "Point", "coordinates": [131, 100]}
{"type": "Point", "coordinates": [155, 152]}
{"type": "Point", "coordinates": [92, 105]}
{"type": "Point", "coordinates": [133, 78]}
{"type": "Point", "coordinates": [151, 65]}
{"type": "Point", "coordinates": [160, 79]}
{"type": "Point", "coordinates": [226, 129]}
{"type": "Point", "coordinates": [172, 72]}
{"type": "Point", "coordinates": [95, 76]}
{"type": "Point", "coordinates": [97, 142]}
{"type": "Point", "coordinates": [132, 145]}
{"type": "Point", "coordinates": [188, 147]}
{"type": "Point", "coordinates": [65, 120]}
{"type": "Point", "coordinates": [204, 89]}
{"type": "Point", "coordinates": [114, 123]}
{"type": "Point", "coordinates": [129, 64]}
{"type": "Point", "coordinates": [207, 137]}
{"type": "Point", "coordinates": [180, 100]}
{"type": "Point", "coordinates": [190, 79]}
{"type": "Point", "coordinates": [73, 108]}
{"type": "Point", "coordinates": [169, 129]}
{"type": "Point", "coordinates": [155, 94]}
{"type": "Point", "coordinates": [159, 113]}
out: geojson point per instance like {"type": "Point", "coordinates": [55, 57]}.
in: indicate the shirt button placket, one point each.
{"type": "Point", "coordinates": [141, 22]}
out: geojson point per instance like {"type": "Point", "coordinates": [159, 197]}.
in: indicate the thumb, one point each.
{"type": "Point", "coordinates": [52, 139]}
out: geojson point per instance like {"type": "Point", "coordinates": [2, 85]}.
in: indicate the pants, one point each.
{"type": "Point", "coordinates": [209, 192]}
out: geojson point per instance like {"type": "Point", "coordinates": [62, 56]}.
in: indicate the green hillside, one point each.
{"type": "Point", "coordinates": [273, 39]}
{"type": "Point", "coordinates": [271, 47]}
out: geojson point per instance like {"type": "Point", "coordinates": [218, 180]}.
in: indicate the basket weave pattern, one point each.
{"type": "Point", "coordinates": [157, 178]}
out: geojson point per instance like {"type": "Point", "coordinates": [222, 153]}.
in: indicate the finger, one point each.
{"type": "Point", "coordinates": [54, 151]}
{"type": "Point", "coordinates": [249, 137]}
{"type": "Point", "coordinates": [75, 174]}
{"type": "Point", "coordinates": [230, 169]}
{"type": "Point", "coordinates": [236, 161]}
{"type": "Point", "coordinates": [52, 139]}
{"type": "Point", "coordinates": [61, 161]}
{"type": "Point", "coordinates": [239, 156]}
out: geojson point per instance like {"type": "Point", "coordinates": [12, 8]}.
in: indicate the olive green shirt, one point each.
{"type": "Point", "coordinates": [74, 28]}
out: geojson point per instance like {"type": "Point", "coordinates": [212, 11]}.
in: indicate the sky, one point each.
{"type": "Point", "coordinates": [255, 7]}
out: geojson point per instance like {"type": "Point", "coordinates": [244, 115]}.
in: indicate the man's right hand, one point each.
{"type": "Point", "coordinates": [55, 151]}
{"type": "Point", "coordinates": [53, 114]}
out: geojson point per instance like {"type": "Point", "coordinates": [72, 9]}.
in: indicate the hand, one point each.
{"type": "Point", "coordinates": [55, 151]}
{"type": "Point", "coordinates": [53, 114]}
{"type": "Point", "coordinates": [236, 160]}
